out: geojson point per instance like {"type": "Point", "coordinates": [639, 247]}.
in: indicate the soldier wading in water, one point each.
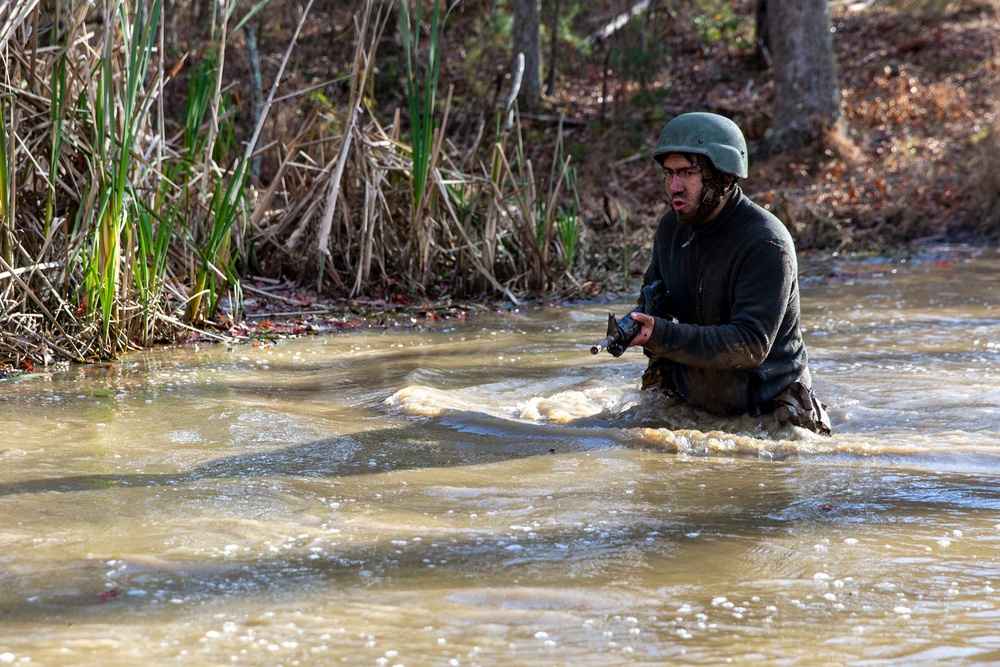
{"type": "Point", "coordinates": [726, 338]}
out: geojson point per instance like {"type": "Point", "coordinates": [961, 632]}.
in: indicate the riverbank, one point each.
{"type": "Point", "coordinates": [279, 311]}
{"type": "Point", "coordinates": [286, 312]}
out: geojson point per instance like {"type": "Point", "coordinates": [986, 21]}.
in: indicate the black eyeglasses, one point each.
{"type": "Point", "coordinates": [687, 174]}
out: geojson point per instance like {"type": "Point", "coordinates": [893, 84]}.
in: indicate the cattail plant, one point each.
{"type": "Point", "coordinates": [120, 226]}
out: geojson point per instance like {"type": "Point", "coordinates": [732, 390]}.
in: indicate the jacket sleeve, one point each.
{"type": "Point", "coordinates": [762, 289]}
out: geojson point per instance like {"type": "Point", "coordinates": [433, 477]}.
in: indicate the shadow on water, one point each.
{"type": "Point", "coordinates": [456, 438]}
{"type": "Point", "coordinates": [562, 556]}
{"type": "Point", "coordinates": [469, 440]}
{"type": "Point", "coordinates": [473, 558]}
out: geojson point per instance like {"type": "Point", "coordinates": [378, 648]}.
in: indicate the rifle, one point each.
{"type": "Point", "coordinates": [622, 332]}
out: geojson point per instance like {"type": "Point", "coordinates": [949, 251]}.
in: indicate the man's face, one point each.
{"type": "Point", "coordinates": [683, 180]}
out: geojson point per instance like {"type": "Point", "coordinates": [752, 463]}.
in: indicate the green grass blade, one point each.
{"type": "Point", "coordinates": [421, 95]}
{"type": "Point", "coordinates": [249, 15]}
{"type": "Point", "coordinates": [58, 113]}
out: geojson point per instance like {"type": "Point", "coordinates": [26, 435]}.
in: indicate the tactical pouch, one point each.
{"type": "Point", "coordinates": [799, 406]}
{"type": "Point", "coordinates": [658, 374]}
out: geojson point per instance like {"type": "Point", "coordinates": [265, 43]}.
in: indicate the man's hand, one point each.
{"type": "Point", "coordinates": [646, 322]}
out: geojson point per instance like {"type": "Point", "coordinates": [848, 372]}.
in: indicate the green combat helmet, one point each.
{"type": "Point", "coordinates": [708, 134]}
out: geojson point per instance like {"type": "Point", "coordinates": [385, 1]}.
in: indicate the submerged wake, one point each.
{"type": "Point", "coordinates": [635, 418]}
{"type": "Point", "coordinates": [625, 415]}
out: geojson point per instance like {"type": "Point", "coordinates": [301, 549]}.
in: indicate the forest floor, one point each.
{"type": "Point", "coordinates": [918, 160]}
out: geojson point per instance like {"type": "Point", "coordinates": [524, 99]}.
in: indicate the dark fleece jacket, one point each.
{"type": "Point", "coordinates": [734, 291]}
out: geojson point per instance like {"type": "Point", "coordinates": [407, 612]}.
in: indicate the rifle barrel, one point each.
{"type": "Point", "coordinates": [603, 345]}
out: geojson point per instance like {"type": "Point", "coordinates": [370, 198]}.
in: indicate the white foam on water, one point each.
{"type": "Point", "coordinates": [625, 414]}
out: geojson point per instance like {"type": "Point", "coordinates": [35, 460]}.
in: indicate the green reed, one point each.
{"type": "Point", "coordinates": [213, 246]}
{"type": "Point", "coordinates": [421, 89]}
{"type": "Point", "coordinates": [217, 267]}
{"type": "Point", "coordinates": [120, 115]}
{"type": "Point", "coordinates": [153, 236]}
{"type": "Point", "coordinates": [568, 222]}
{"type": "Point", "coordinates": [421, 93]}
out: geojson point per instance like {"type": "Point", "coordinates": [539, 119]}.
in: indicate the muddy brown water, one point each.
{"type": "Point", "coordinates": [489, 493]}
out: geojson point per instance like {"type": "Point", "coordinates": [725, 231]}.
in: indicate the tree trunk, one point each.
{"type": "Point", "coordinates": [763, 38]}
{"type": "Point", "coordinates": [806, 89]}
{"type": "Point", "coordinates": [527, 40]}
{"type": "Point", "coordinates": [169, 26]}
{"type": "Point", "coordinates": [257, 93]}
{"type": "Point", "coordinates": [550, 79]}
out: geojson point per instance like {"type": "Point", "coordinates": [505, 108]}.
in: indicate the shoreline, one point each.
{"type": "Point", "coordinates": [270, 316]}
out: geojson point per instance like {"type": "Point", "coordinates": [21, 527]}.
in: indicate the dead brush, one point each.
{"type": "Point", "coordinates": [394, 211]}
{"type": "Point", "coordinates": [120, 227]}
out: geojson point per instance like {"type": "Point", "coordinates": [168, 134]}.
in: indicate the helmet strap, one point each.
{"type": "Point", "coordinates": [716, 186]}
